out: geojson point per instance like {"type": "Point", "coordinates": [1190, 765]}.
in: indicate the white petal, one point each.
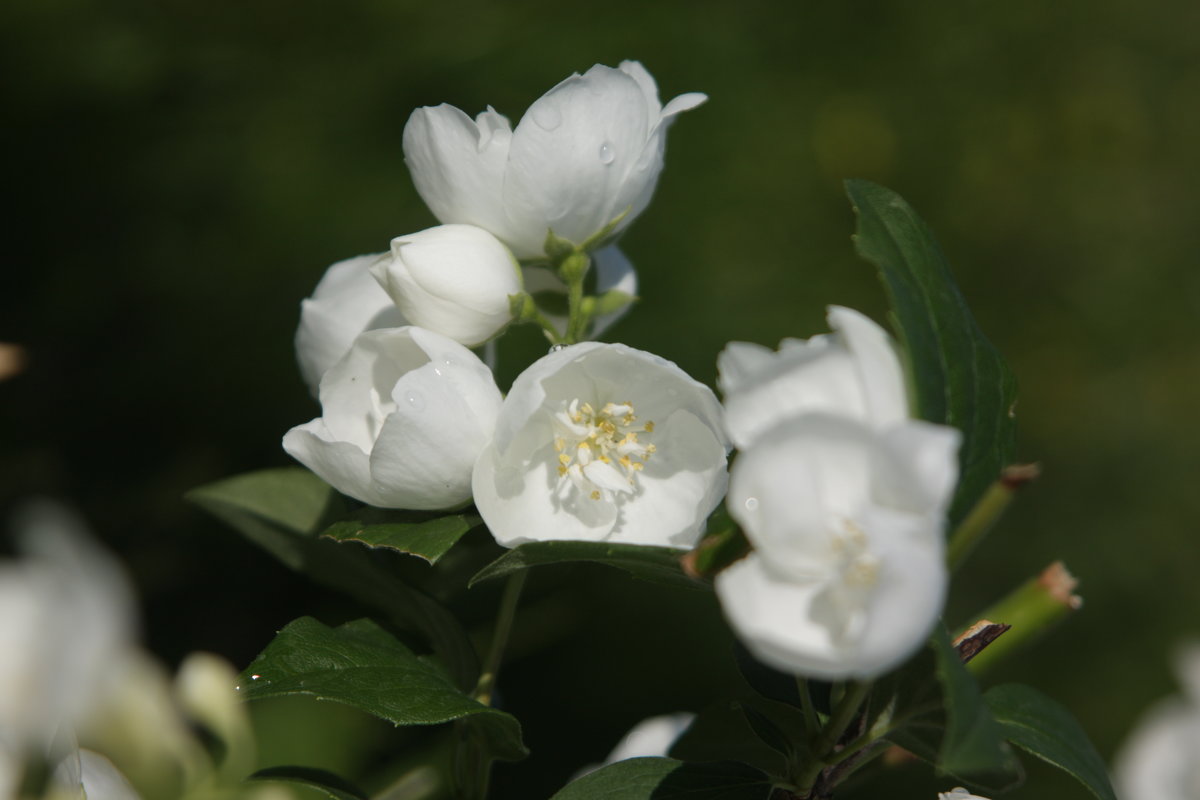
{"type": "Point", "coordinates": [346, 302]}
{"type": "Point", "coordinates": [651, 737]}
{"type": "Point", "coordinates": [919, 471]}
{"type": "Point", "coordinates": [681, 484]}
{"type": "Point", "coordinates": [343, 465]}
{"type": "Point", "coordinates": [877, 364]}
{"type": "Point", "coordinates": [1158, 759]}
{"type": "Point", "coordinates": [102, 780]}
{"type": "Point", "coordinates": [458, 164]}
{"type": "Point", "coordinates": [515, 496]}
{"type": "Point", "coordinates": [803, 376]}
{"type": "Point", "coordinates": [571, 155]}
{"type": "Point", "coordinates": [774, 619]}
{"type": "Point", "coordinates": [684, 102]}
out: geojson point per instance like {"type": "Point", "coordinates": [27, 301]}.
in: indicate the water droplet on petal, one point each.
{"type": "Point", "coordinates": [554, 348]}
{"type": "Point", "coordinates": [751, 503]}
{"type": "Point", "coordinates": [607, 154]}
{"type": "Point", "coordinates": [415, 399]}
{"type": "Point", "coordinates": [546, 115]}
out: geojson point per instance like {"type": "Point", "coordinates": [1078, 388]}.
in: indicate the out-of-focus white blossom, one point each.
{"type": "Point", "coordinates": [602, 442]}
{"type": "Point", "coordinates": [347, 301]}
{"type": "Point", "coordinates": [853, 372]}
{"type": "Point", "coordinates": [584, 153]}
{"type": "Point", "coordinates": [959, 793]}
{"type": "Point", "coordinates": [1160, 759]}
{"type": "Point", "coordinates": [847, 575]}
{"type": "Point", "coordinates": [66, 621]}
{"type": "Point", "coordinates": [455, 280]}
{"type": "Point", "coordinates": [405, 413]}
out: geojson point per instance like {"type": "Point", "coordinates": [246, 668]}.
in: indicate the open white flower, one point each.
{"type": "Point", "coordinates": [1160, 760]}
{"type": "Point", "coordinates": [405, 413]}
{"type": "Point", "coordinates": [585, 152]}
{"type": "Point", "coordinates": [853, 371]}
{"type": "Point", "coordinates": [847, 576]}
{"type": "Point", "coordinates": [959, 793]}
{"type": "Point", "coordinates": [347, 301]}
{"type": "Point", "coordinates": [602, 442]}
{"type": "Point", "coordinates": [455, 280]}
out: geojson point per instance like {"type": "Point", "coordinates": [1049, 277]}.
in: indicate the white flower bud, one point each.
{"type": "Point", "coordinates": [586, 152]}
{"type": "Point", "coordinates": [404, 415]}
{"type": "Point", "coordinates": [455, 280]}
{"type": "Point", "coordinates": [347, 301]}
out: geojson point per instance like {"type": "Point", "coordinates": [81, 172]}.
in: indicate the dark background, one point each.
{"type": "Point", "coordinates": [181, 173]}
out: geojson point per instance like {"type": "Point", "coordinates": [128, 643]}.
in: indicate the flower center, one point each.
{"type": "Point", "coordinates": [599, 451]}
{"type": "Point", "coordinates": [858, 565]}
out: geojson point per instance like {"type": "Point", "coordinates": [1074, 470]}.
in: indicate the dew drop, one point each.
{"type": "Point", "coordinates": [547, 116]}
{"type": "Point", "coordinates": [751, 503]}
{"type": "Point", "coordinates": [415, 399]}
{"type": "Point", "coordinates": [607, 154]}
{"type": "Point", "coordinates": [554, 348]}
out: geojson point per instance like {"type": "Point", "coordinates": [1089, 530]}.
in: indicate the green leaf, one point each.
{"type": "Point", "coordinates": [973, 746]}
{"type": "Point", "coordinates": [768, 732]}
{"type": "Point", "coordinates": [668, 779]}
{"type": "Point", "coordinates": [361, 665]}
{"type": "Point", "coordinates": [282, 511]}
{"type": "Point", "coordinates": [421, 535]}
{"type": "Point", "coordinates": [957, 376]}
{"type": "Point", "coordinates": [657, 564]}
{"type": "Point", "coordinates": [1040, 726]}
{"type": "Point", "coordinates": [333, 786]}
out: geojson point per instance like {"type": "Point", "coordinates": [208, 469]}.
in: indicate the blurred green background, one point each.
{"type": "Point", "coordinates": [181, 173]}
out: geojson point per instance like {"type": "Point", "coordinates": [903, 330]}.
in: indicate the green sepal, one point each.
{"type": "Point", "coordinates": [557, 248]}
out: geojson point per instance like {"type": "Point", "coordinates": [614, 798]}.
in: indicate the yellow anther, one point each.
{"type": "Point", "coordinates": [648, 428]}
{"type": "Point", "coordinates": [595, 494]}
{"type": "Point", "coordinates": [563, 458]}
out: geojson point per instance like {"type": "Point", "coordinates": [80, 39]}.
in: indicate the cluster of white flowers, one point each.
{"type": "Point", "coordinates": [593, 442]}
{"type": "Point", "coordinates": [843, 497]}
{"type": "Point", "coordinates": [71, 674]}
{"type": "Point", "coordinates": [841, 493]}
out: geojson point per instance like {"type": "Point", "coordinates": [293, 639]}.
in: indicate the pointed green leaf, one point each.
{"type": "Point", "coordinates": [282, 511]}
{"type": "Point", "coordinates": [418, 534]}
{"type": "Point", "coordinates": [361, 665]}
{"type": "Point", "coordinates": [331, 785]}
{"type": "Point", "coordinates": [656, 564]}
{"type": "Point", "coordinates": [973, 746]}
{"type": "Point", "coordinates": [668, 779]}
{"type": "Point", "coordinates": [957, 376]}
{"type": "Point", "coordinates": [1040, 726]}
{"type": "Point", "coordinates": [768, 732]}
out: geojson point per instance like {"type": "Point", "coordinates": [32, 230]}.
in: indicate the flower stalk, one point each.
{"type": "Point", "coordinates": [972, 530]}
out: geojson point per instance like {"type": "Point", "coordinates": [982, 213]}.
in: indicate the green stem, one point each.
{"type": "Point", "coordinates": [811, 721]}
{"type": "Point", "coordinates": [573, 271]}
{"type": "Point", "coordinates": [847, 709]}
{"type": "Point", "coordinates": [972, 530]}
{"type": "Point", "coordinates": [504, 621]}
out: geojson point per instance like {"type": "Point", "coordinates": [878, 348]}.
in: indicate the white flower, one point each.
{"type": "Point", "coordinates": [347, 301]}
{"type": "Point", "coordinates": [601, 442]}
{"type": "Point", "coordinates": [66, 618]}
{"type": "Point", "coordinates": [1160, 760]}
{"type": "Point", "coordinates": [853, 372]}
{"type": "Point", "coordinates": [585, 152]}
{"type": "Point", "coordinates": [404, 415]}
{"type": "Point", "coordinates": [613, 271]}
{"type": "Point", "coordinates": [847, 576]}
{"type": "Point", "coordinates": [959, 793]}
{"type": "Point", "coordinates": [455, 280]}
